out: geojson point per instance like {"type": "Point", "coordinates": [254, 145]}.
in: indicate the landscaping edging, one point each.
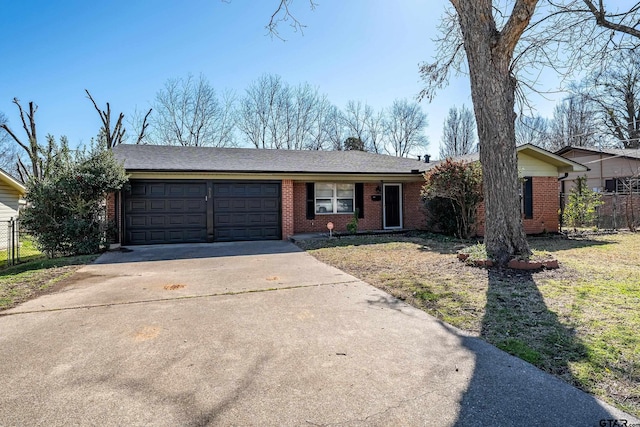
{"type": "Point", "coordinates": [514, 264]}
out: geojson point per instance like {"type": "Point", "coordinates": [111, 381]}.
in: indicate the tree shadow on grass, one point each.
{"type": "Point", "coordinates": [507, 391]}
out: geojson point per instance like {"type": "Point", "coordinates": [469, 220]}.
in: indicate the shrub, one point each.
{"type": "Point", "coordinates": [66, 210]}
{"type": "Point", "coordinates": [352, 226]}
{"type": "Point", "coordinates": [452, 192]}
{"type": "Point", "coordinates": [580, 210]}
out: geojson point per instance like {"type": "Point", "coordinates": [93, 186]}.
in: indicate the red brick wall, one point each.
{"type": "Point", "coordinates": [546, 204]}
{"type": "Point", "coordinates": [287, 209]}
{"type": "Point", "coordinates": [111, 207]}
{"type": "Point", "coordinates": [414, 215]}
{"type": "Point", "coordinates": [372, 212]}
{"type": "Point", "coordinates": [112, 216]}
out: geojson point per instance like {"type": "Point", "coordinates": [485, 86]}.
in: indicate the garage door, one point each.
{"type": "Point", "coordinates": [246, 211]}
{"type": "Point", "coordinates": [166, 212]}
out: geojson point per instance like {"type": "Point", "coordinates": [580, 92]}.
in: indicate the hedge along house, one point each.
{"type": "Point", "coordinates": [540, 171]}
{"type": "Point", "coordinates": [202, 194]}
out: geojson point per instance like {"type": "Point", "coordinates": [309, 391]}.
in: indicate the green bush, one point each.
{"type": "Point", "coordinates": [66, 211]}
{"type": "Point", "coordinates": [352, 226]}
{"type": "Point", "coordinates": [454, 190]}
{"type": "Point", "coordinates": [440, 217]}
{"type": "Point", "coordinates": [580, 210]}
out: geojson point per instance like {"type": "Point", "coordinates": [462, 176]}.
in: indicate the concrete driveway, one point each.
{"type": "Point", "coordinates": [257, 333]}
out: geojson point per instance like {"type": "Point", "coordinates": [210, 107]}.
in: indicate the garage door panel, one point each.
{"type": "Point", "coordinates": [246, 205]}
{"type": "Point", "coordinates": [157, 190]}
{"type": "Point", "coordinates": [157, 205]}
{"type": "Point", "coordinates": [136, 205]}
{"type": "Point", "coordinates": [247, 233]}
{"type": "Point", "coordinates": [270, 204]}
{"type": "Point", "coordinates": [246, 211]}
{"type": "Point", "coordinates": [176, 211]}
{"type": "Point", "coordinates": [166, 212]}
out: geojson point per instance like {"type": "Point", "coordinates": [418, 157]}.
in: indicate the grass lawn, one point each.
{"type": "Point", "coordinates": [28, 251]}
{"type": "Point", "coordinates": [25, 281]}
{"type": "Point", "coordinates": [580, 322]}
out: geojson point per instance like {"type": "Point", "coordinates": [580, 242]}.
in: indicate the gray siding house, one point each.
{"type": "Point", "coordinates": [11, 192]}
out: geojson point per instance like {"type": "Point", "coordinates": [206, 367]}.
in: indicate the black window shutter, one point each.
{"type": "Point", "coordinates": [311, 203]}
{"type": "Point", "coordinates": [528, 197]}
{"type": "Point", "coordinates": [360, 199]}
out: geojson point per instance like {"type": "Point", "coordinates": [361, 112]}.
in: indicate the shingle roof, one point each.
{"type": "Point", "coordinates": [207, 159]}
{"type": "Point", "coordinates": [633, 153]}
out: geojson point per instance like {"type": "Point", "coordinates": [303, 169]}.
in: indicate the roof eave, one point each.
{"type": "Point", "coordinates": [13, 183]}
{"type": "Point", "coordinates": [563, 164]}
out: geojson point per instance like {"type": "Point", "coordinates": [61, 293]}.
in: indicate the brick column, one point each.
{"type": "Point", "coordinates": [287, 208]}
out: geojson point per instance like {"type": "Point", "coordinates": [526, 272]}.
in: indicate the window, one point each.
{"type": "Point", "coordinates": [625, 185]}
{"type": "Point", "coordinates": [334, 198]}
{"type": "Point", "coordinates": [527, 197]}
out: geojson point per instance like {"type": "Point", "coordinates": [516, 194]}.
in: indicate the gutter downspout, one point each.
{"type": "Point", "coordinates": [561, 180]}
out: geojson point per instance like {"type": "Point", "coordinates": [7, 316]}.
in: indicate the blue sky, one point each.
{"type": "Point", "coordinates": [124, 51]}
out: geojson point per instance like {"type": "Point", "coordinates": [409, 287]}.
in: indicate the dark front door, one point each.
{"type": "Point", "coordinates": [165, 212]}
{"type": "Point", "coordinates": [392, 206]}
{"type": "Point", "coordinates": [246, 211]}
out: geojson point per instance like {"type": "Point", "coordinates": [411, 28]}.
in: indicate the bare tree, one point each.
{"type": "Point", "coordinates": [615, 95]}
{"type": "Point", "coordinates": [533, 130]}
{"type": "Point", "coordinates": [8, 151]}
{"type": "Point", "coordinates": [116, 135]}
{"type": "Point", "coordinates": [190, 113]}
{"type": "Point", "coordinates": [273, 114]}
{"type": "Point", "coordinates": [355, 117]}
{"type": "Point", "coordinates": [574, 123]}
{"type": "Point", "coordinates": [458, 133]}
{"type": "Point", "coordinates": [257, 110]}
{"type": "Point", "coordinates": [376, 131]}
{"type": "Point", "coordinates": [405, 128]}
{"type": "Point", "coordinates": [33, 150]}
{"type": "Point", "coordinates": [325, 132]}
{"type": "Point", "coordinates": [335, 130]}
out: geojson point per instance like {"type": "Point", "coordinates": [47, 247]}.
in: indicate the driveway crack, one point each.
{"type": "Point", "coordinates": [174, 298]}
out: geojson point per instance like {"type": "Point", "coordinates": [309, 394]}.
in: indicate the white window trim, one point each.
{"type": "Point", "coordinates": [334, 198]}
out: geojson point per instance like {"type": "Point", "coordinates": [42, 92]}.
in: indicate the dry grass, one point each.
{"type": "Point", "coordinates": [579, 322]}
{"type": "Point", "coordinates": [25, 281]}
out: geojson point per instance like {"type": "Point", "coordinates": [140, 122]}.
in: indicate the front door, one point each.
{"type": "Point", "coordinates": [392, 200]}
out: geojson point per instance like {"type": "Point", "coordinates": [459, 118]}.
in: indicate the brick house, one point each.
{"type": "Point", "coordinates": [539, 170]}
{"type": "Point", "coordinates": [202, 194]}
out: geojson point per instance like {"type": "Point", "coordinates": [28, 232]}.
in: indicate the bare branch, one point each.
{"type": "Point", "coordinates": [143, 128]}
{"type": "Point", "coordinates": [601, 18]}
{"type": "Point", "coordinates": [283, 14]}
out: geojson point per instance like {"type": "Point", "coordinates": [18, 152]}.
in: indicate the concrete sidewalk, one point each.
{"type": "Point", "coordinates": [257, 334]}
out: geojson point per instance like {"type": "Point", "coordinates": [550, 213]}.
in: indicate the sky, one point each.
{"type": "Point", "coordinates": [124, 51]}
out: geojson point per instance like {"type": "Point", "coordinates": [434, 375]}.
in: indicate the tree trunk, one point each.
{"type": "Point", "coordinates": [489, 53]}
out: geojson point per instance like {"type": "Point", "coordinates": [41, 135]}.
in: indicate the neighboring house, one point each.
{"type": "Point", "coordinates": [202, 194]}
{"type": "Point", "coordinates": [613, 172]}
{"type": "Point", "coordinates": [540, 204]}
{"type": "Point", "coordinates": [11, 194]}
{"type": "Point", "coordinates": [610, 170]}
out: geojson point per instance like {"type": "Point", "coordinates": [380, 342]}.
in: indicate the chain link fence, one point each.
{"type": "Point", "coordinates": [16, 246]}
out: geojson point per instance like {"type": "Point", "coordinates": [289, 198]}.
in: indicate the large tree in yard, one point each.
{"type": "Point", "coordinates": [489, 54]}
